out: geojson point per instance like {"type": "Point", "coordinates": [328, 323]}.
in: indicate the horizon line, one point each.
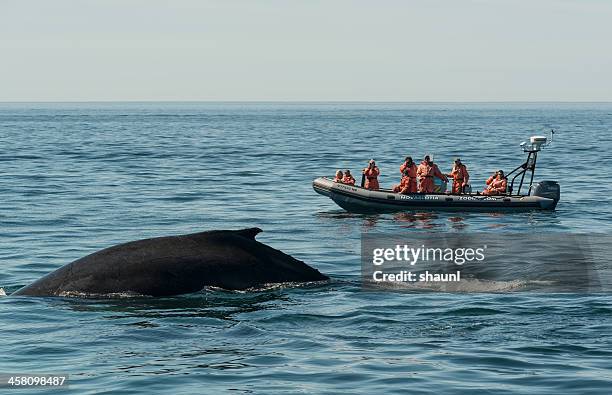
{"type": "Point", "coordinates": [308, 101]}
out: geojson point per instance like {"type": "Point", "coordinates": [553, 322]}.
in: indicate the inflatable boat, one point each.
{"type": "Point", "coordinates": [543, 195]}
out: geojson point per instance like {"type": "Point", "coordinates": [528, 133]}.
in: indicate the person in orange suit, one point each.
{"type": "Point", "coordinates": [371, 176]}
{"type": "Point", "coordinates": [408, 182]}
{"type": "Point", "coordinates": [426, 171]}
{"type": "Point", "coordinates": [339, 176]}
{"type": "Point", "coordinates": [497, 184]}
{"type": "Point", "coordinates": [460, 176]}
{"type": "Point", "coordinates": [348, 178]}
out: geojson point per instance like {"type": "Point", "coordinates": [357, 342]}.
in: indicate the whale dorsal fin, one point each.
{"type": "Point", "coordinates": [249, 233]}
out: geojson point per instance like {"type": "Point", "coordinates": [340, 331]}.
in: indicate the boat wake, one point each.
{"type": "Point", "coordinates": [463, 286]}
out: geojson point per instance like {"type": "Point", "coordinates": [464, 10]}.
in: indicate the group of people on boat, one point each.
{"type": "Point", "coordinates": [420, 179]}
{"type": "Point", "coordinates": [344, 178]}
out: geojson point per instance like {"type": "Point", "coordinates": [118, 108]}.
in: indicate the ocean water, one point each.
{"type": "Point", "coordinates": [75, 178]}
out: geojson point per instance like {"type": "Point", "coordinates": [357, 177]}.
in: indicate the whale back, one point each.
{"type": "Point", "coordinates": [172, 265]}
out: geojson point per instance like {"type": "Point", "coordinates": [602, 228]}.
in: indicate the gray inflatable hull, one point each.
{"type": "Point", "coordinates": [359, 200]}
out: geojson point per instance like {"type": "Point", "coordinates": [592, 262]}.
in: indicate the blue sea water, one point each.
{"type": "Point", "coordinates": [78, 177]}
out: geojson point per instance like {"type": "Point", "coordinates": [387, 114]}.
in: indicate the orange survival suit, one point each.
{"type": "Point", "coordinates": [348, 179]}
{"type": "Point", "coordinates": [426, 172]}
{"type": "Point", "coordinates": [496, 186]}
{"type": "Point", "coordinates": [371, 181]}
{"type": "Point", "coordinates": [408, 184]}
{"type": "Point", "coordinates": [460, 177]}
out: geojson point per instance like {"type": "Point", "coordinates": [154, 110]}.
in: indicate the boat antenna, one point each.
{"type": "Point", "coordinates": [535, 145]}
{"type": "Point", "coordinates": [552, 134]}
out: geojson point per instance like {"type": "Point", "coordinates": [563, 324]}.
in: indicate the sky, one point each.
{"type": "Point", "coordinates": [309, 50]}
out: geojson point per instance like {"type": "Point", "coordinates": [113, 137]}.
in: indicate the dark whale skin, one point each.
{"type": "Point", "coordinates": [174, 265]}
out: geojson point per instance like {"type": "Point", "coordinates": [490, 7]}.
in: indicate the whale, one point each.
{"type": "Point", "coordinates": [175, 265]}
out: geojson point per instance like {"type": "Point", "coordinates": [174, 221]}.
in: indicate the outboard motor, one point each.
{"type": "Point", "coordinates": [546, 189]}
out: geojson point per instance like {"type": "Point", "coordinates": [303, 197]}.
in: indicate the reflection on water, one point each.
{"type": "Point", "coordinates": [336, 214]}
{"type": "Point", "coordinates": [370, 221]}
{"type": "Point", "coordinates": [458, 223]}
{"type": "Point", "coordinates": [441, 221]}
{"type": "Point", "coordinates": [419, 220]}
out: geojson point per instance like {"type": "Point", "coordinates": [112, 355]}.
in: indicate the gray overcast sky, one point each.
{"type": "Point", "coordinates": [377, 50]}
